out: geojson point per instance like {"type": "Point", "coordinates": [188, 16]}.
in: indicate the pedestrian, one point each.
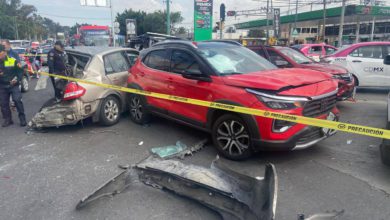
{"type": "Point", "coordinates": [56, 61]}
{"type": "Point", "coordinates": [9, 50]}
{"type": "Point", "coordinates": [10, 77]}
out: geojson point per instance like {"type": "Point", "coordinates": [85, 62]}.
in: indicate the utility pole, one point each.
{"type": "Point", "coordinates": [16, 29]}
{"type": "Point", "coordinates": [112, 25]}
{"type": "Point", "coordinates": [357, 29]}
{"type": "Point", "coordinates": [267, 21]}
{"type": "Point", "coordinates": [168, 17]}
{"type": "Point", "coordinates": [324, 22]}
{"type": "Point", "coordinates": [341, 28]}
{"type": "Point", "coordinates": [295, 19]}
{"type": "Point", "coordinates": [373, 23]}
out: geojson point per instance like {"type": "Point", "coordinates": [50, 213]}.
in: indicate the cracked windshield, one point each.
{"type": "Point", "coordinates": [195, 109]}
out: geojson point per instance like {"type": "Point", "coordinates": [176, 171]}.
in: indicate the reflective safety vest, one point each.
{"type": "Point", "coordinates": [9, 62]}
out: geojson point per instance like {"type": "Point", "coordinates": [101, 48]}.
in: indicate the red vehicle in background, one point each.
{"type": "Point", "coordinates": [93, 35]}
{"type": "Point", "coordinates": [315, 51]}
{"type": "Point", "coordinates": [284, 57]}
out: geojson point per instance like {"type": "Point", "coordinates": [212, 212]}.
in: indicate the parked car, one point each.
{"type": "Point", "coordinates": [232, 74]}
{"type": "Point", "coordinates": [285, 57]}
{"type": "Point", "coordinates": [315, 51]}
{"type": "Point", "coordinates": [81, 101]}
{"type": "Point", "coordinates": [365, 62]}
{"type": "Point", "coordinates": [385, 146]}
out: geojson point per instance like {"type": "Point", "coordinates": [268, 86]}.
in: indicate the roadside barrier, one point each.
{"type": "Point", "coordinates": [334, 125]}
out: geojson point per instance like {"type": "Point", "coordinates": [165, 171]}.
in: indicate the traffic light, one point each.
{"type": "Point", "coordinates": [222, 12]}
{"type": "Point", "coordinates": [231, 13]}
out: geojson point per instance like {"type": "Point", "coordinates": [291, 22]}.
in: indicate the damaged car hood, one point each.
{"type": "Point", "coordinates": [277, 79]}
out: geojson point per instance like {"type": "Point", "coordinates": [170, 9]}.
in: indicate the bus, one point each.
{"type": "Point", "coordinates": [95, 35]}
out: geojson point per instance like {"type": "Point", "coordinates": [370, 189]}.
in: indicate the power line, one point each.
{"type": "Point", "coordinates": [72, 17]}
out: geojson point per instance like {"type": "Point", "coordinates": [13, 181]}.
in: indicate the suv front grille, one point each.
{"type": "Point", "coordinates": [312, 134]}
{"type": "Point", "coordinates": [319, 107]}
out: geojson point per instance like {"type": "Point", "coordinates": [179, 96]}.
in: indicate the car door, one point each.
{"type": "Point", "coordinates": [116, 67]}
{"type": "Point", "coordinates": [366, 62]}
{"type": "Point", "coordinates": [181, 61]}
{"type": "Point", "coordinates": [153, 76]}
{"type": "Point", "coordinates": [315, 52]}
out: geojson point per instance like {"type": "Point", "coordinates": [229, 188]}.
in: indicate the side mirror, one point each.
{"type": "Point", "coordinates": [386, 61]}
{"type": "Point", "coordinates": [196, 74]}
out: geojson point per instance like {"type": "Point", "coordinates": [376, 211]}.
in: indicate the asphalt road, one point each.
{"type": "Point", "coordinates": [44, 175]}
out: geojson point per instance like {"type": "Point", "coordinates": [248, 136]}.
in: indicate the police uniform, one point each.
{"type": "Point", "coordinates": [56, 62]}
{"type": "Point", "coordinates": [10, 70]}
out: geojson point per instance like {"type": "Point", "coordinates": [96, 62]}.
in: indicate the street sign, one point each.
{"type": "Point", "coordinates": [131, 27]}
{"type": "Point", "coordinates": [95, 3]}
{"type": "Point", "coordinates": [203, 19]}
{"type": "Point", "coordinates": [117, 30]}
{"type": "Point", "coordinates": [276, 22]}
{"type": "Point", "coordinates": [294, 33]}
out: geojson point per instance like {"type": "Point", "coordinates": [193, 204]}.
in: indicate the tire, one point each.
{"type": "Point", "coordinates": [385, 152]}
{"type": "Point", "coordinates": [138, 113]}
{"type": "Point", "coordinates": [24, 84]}
{"type": "Point", "coordinates": [109, 111]}
{"type": "Point", "coordinates": [356, 80]}
{"type": "Point", "coordinates": [234, 144]}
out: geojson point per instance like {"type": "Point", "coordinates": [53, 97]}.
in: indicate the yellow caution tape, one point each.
{"type": "Point", "coordinates": [346, 127]}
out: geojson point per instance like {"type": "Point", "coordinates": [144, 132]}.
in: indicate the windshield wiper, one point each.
{"type": "Point", "coordinates": [232, 73]}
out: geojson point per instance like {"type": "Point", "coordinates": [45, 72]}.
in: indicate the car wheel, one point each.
{"type": "Point", "coordinates": [138, 113]}
{"type": "Point", "coordinates": [109, 111]}
{"type": "Point", "coordinates": [231, 137]}
{"type": "Point", "coordinates": [24, 84]}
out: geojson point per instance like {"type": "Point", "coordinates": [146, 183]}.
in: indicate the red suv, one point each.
{"type": "Point", "coordinates": [285, 57]}
{"type": "Point", "coordinates": [226, 72]}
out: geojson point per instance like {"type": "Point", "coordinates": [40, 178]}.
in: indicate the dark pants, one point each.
{"type": "Point", "coordinates": [57, 91]}
{"type": "Point", "coordinates": [5, 94]}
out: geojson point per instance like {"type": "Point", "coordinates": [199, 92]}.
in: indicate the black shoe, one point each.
{"type": "Point", "coordinates": [7, 123]}
{"type": "Point", "coordinates": [23, 122]}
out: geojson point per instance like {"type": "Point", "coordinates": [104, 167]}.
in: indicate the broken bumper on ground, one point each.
{"type": "Point", "coordinates": [231, 194]}
{"type": "Point", "coordinates": [54, 114]}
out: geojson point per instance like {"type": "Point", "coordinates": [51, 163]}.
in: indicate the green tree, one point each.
{"type": "Point", "coordinates": [148, 22]}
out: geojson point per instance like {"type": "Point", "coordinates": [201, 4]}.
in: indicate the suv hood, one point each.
{"type": "Point", "coordinates": [324, 67]}
{"type": "Point", "coordinates": [277, 79]}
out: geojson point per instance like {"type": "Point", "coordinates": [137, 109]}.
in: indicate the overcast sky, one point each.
{"type": "Point", "coordinates": [68, 12]}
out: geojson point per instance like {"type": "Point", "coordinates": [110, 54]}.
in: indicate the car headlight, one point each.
{"type": "Point", "coordinates": [279, 102]}
{"type": "Point", "coordinates": [346, 76]}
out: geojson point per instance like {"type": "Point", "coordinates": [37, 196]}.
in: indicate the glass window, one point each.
{"type": "Point", "coordinates": [295, 55]}
{"type": "Point", "coordinates": [374, 52]}
{"type": "Point", "coordinates": [329, 50]}
{"type": "Point", "coordinates": [115, 63]}
{"type": "Point", "coordinates": [231, 59]}
{"type": "Point", "coordinates": [132, 57]}
{"type": "Point", "coordinates": [316, 50]}
{"type": "Point", "coordinates": [278, 60]}
{"type": "Point", "coordinates": [388, 50]}
{"type": "Point", "coordinates": [260, 52]}
{"type": "Point", "coordinates": [182, 61]}
{"type": "Point", "coordinates": [313, 30]}
{"type": "Point", "coordinates": [158, 59]}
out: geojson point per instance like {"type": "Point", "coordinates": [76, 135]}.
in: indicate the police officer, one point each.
{"type": "Point", "coordinates": [56, 62]}
{"type": "Point", "coordinates": [10, 51]}
{"type": "Point", "coordinates": [10, 76]}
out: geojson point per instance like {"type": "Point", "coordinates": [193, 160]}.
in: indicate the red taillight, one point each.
{"type": "Point", "coordinates": [73, 91]}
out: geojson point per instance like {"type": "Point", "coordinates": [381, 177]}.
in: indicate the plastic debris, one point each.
{"type": "Point", "coordinates": [169, 151]}
{"type": "Point", "coordinates": [140, 143]}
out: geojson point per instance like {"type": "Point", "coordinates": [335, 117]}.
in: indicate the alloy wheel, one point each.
{"type": "Point", "coordinates": [111, 110]}
{"type": "Point", "coordinates": [136, 108]}
{"type": "Point", "coordinates": [233, 137]}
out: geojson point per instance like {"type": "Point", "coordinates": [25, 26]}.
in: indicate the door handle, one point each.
{"type": "Point", "coordinates": [356, 61]}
